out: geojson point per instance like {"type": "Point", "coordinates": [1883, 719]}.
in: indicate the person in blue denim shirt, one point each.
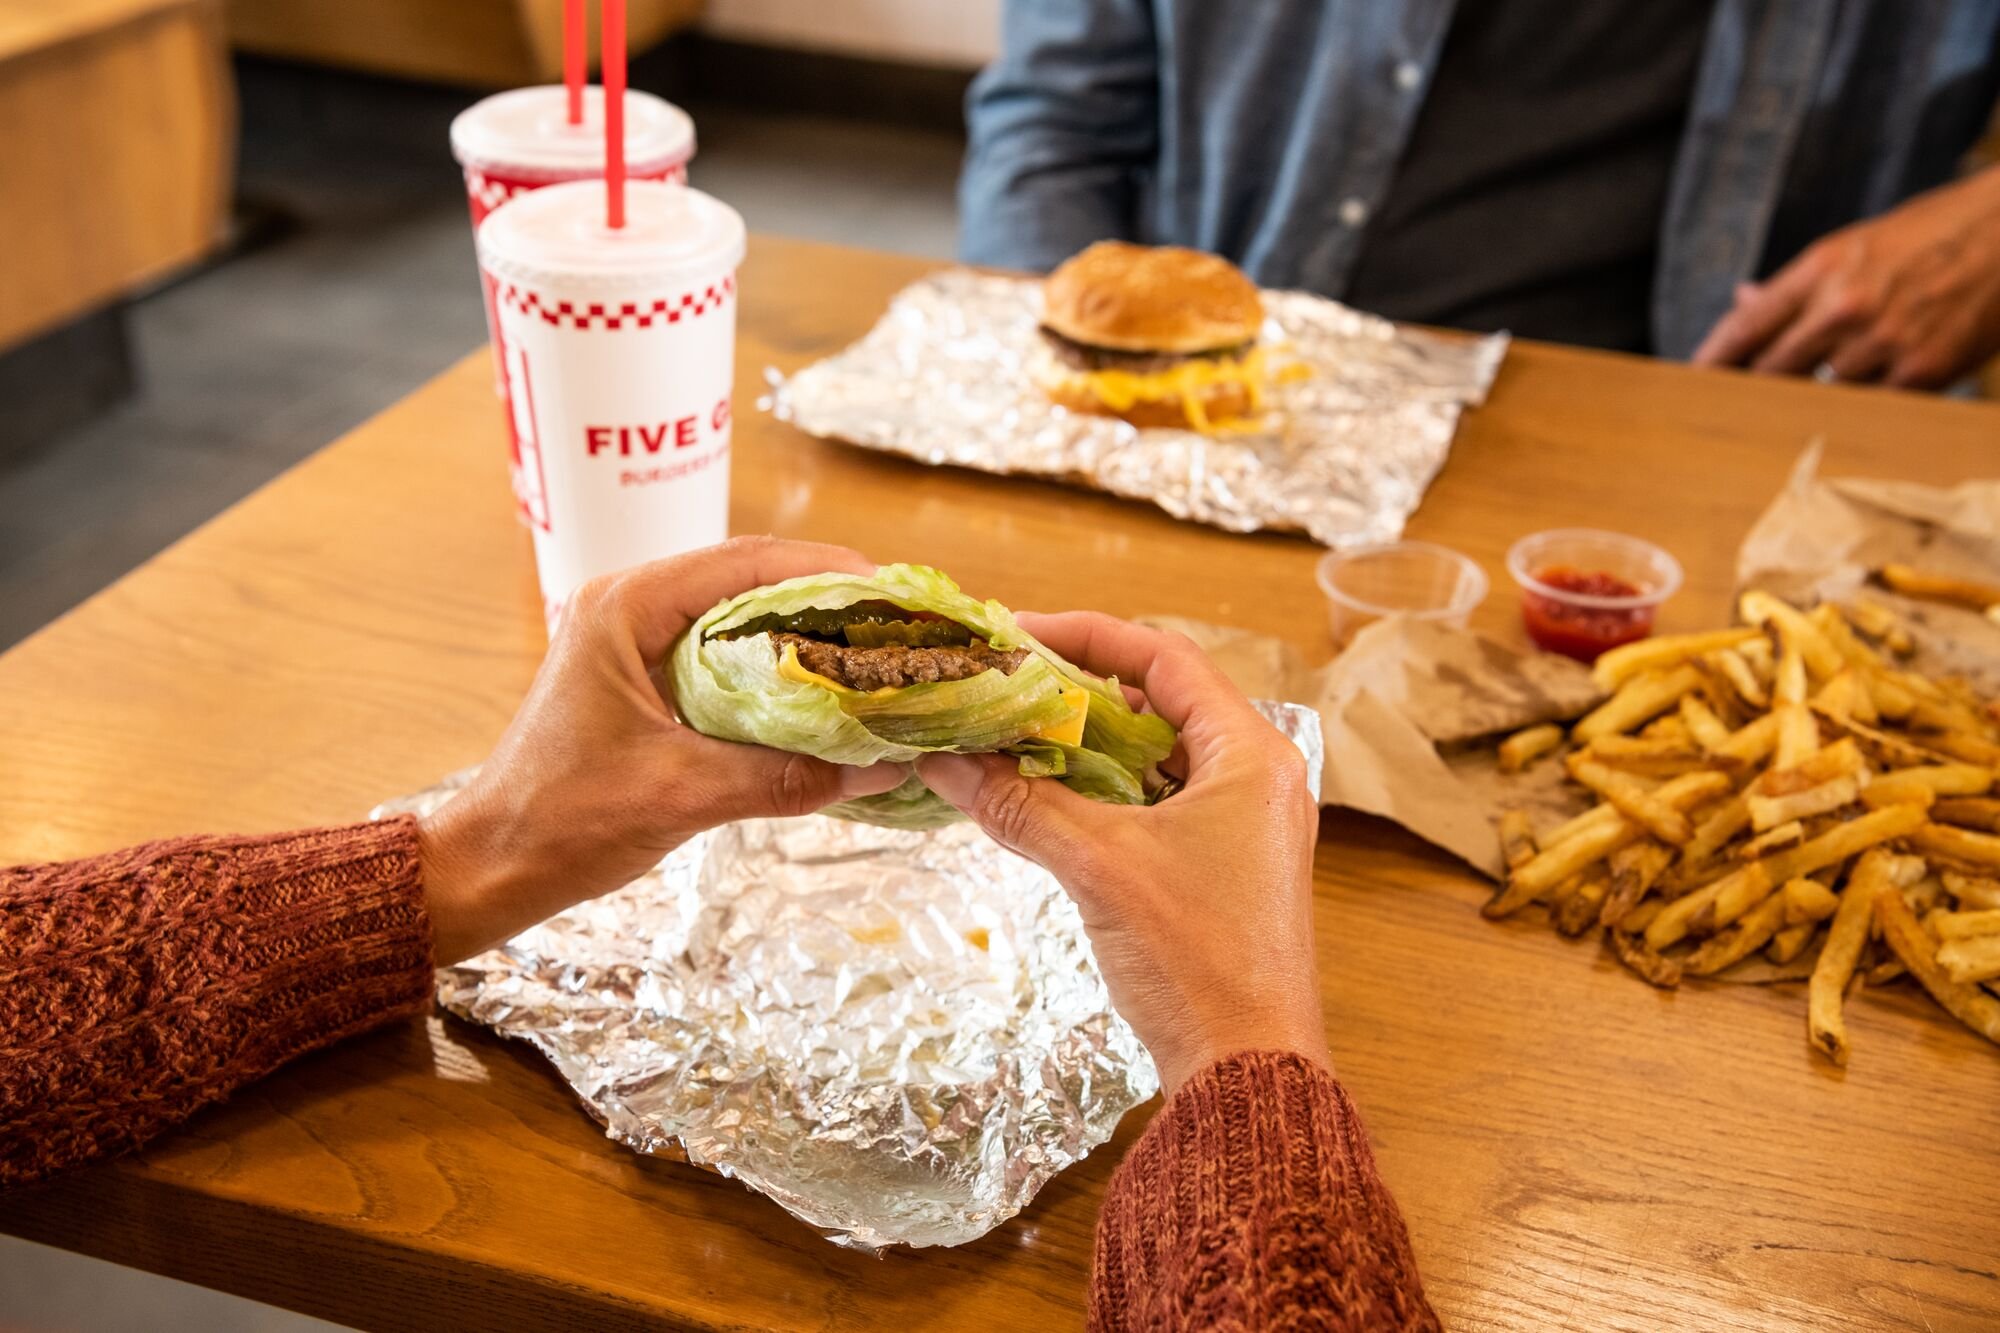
{"type": "Point", "coordinates": [1764, 183]}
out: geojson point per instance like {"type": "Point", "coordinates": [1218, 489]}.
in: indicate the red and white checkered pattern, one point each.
{"type": "Point", "coordinates": [490, 193]}
{"type": "Point", "coordinates": [626, 314]}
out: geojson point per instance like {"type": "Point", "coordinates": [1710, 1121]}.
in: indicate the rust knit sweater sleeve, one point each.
{"type": "Point", "coordinates": [139, 986]}
{"type": "Point", "coordinates": [1252, 1202]}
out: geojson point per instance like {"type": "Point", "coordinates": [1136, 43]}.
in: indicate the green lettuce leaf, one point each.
{"type": "Point", "coordinates": [730, 688]}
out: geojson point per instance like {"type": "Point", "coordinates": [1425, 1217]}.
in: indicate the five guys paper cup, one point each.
{"type": "Point", "coordinates": [518, 141]}
{"type": "Point", "coordinates": [618, 354]}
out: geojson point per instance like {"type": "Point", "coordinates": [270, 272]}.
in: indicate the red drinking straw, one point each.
{"type": "Point", "coordinates": [576, 58]}
{"type": "Point", "coordinates": [614, 113]}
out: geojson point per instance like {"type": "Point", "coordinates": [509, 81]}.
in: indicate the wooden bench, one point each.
{"type": "Point", "coordinates": [118, 151]}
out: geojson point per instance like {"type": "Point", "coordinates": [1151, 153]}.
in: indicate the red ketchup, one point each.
{"type": "Point", "coordinates": [1577, 631]}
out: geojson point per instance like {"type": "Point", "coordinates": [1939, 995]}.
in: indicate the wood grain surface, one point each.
{"type": "Point", "coordinates": [1572, 1149]}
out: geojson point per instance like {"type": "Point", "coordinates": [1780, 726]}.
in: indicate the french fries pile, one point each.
{"type": "Point", "coordinates": [1774, 787]}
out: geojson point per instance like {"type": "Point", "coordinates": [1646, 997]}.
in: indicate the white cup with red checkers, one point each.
{"type": "Point", "coordinates": [619, 353]}
{"type": "Point", "coordinates": [523, 140]}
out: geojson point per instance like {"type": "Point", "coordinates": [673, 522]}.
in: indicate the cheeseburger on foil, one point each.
{"type": "Point", "coordinates": [1158, 335]}
{"type": "Point", "coordinates": [900, 663]}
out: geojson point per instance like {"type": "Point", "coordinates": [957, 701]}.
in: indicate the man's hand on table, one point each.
{"type": "Point", "coordinates": [596, 780]}
{"type": "Point", "coordinates": [1911, 298]}
{"type": "Point", "coordinates": [1199, 908]}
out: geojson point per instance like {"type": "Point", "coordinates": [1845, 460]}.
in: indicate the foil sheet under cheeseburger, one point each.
{"type": "Point", "coordinates": [1344, 454]}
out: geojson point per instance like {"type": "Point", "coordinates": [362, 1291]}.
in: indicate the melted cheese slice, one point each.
{"type": "Point", "coordinates": [1069, 731]}
{"type": "Point", "coordinates": [1186, 383]}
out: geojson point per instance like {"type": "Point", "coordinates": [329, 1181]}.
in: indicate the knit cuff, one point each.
{"type": "Point", "coordinates": [1253, 1199]}
{"type": "Point", "coordinates": [141, 985]}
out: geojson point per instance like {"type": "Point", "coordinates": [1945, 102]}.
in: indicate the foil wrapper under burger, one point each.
{"type": "Point", "coordinates": [897, 1036]}
{"type": "Point", "coordinates": [1345, 454]}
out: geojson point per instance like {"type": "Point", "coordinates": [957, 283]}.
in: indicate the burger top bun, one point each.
{"type": "Point", "coordinates": [1151, 298]}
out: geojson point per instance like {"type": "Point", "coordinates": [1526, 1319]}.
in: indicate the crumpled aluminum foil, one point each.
{"type": "Point", "coordinates": [897, 1036]}
{"type": "Point", "coordinates": [1346, 456]}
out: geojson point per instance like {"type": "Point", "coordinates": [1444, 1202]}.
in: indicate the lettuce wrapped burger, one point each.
{"type": "Point", "coordinates": [861, 669]}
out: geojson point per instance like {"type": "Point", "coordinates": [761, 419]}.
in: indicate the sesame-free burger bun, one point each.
{"type": "Point", "coordinates": [1151, 298]}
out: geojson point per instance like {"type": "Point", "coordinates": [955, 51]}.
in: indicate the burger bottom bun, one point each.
{"type": "Point", "coordinates": [1222, 402]}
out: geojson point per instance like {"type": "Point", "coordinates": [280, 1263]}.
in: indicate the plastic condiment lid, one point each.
{"type": "Point", "coordinates": [526, 132]}
{"type": "Point", "coordinates": [556, 236]}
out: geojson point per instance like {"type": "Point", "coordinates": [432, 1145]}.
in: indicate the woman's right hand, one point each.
{"type": "Point", "coordinates": [1199, 908]}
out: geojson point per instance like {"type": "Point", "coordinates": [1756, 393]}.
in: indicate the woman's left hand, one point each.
{"type": "Point", "coordinates": [596, 779]}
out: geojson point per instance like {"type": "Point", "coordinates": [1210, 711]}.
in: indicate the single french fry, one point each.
{"type": "Point", "coordinates": [1668, 727]}
{"type": "Point", "coordinates": [1614, 749]}
{"type": "Point", "coordinates": [1517, 838]}
{"type": "Point", "coordinates": [1980, 813]}
{"type": "Point", "coordinates": [1596, 818]}
{"type": "Point", "coordinates": [1846, 695]}
{"type": "Point", "coordinates": [1885, 972]}
{"type": "Point", "coordinates": [1881, 624]}
{"type": "Point", "coordinates": [1914, 949]}
{"type": "Point", "coordinates": [1524, 747]}
{"type": "Point", "coordinates": [1635, 868]}
{"type": "Point", "coordinates": [1798, 735]}
{"type": "Point", "coordinates": [1652, 967]}
{"type": "Point", "coordinates": [1808, 900]}
{"type": "Point", "coordinates": [1733, 668]}
{"type": "Point", "coordinates": [1835, 625]}
{"type": "Point", "coordinates": [1774, 812]}
{"type": "Point", "coordinates": [1795, 631]}
{"type": "Point", "coordinates": [1638, 700]}
{"type": "Point", "coordinates": [1980, 849]}
{"type": "Point", "coordinates": [1790, 942]}
{"type": "Point", "coordinates": [1893, 700]}
{"type": "Point", "coordinates": [1788, 683]}
{"type": "Point", "coordinates": [1888, 750]}
{"type": "Point", "coordinates": [1703, 727]}
{"type": "Point", "coordinates": [1948, 715]}
{"type": "Point", "coordinates": [1732, 895]}
{"type": "Point", "coordinates": [1636, 920]}
{"type": "Point", "coordinates": [1826, 1029]}
{"type": "Point", "coordinates": [1895, 789]}
{"type": "Point", "coordinates": [1947, 779]}
{"type": "Point", "coordinates": [1620, 664]}
{"type": "Point", "coordinates": [1979, 893]}
{"type": "Point", "coordinates": [1842, 759]}
{"type": "Point", "coordinates": [1959, 745]}
{"type": "Point", "coordinates": [1973, 959]}
{"type": "Point", "coordinates": [1750, 743]}
{"type": "Point", "coordinates": [1774, 839]}
{"type": "Point", "coordinates": [1715, 830]}
{"type": "Point", "coordinates": [1732, 946]}
{"type": "Point", "coordinates": [1760, 655]}
{"type": "Point", "coordinates": [1633, 800]}
{"type": "Point", "coordinates": [1966, 925]}
{"type": "Point", "coordinates": [1580, 907]}
{"type": "Point", "coordinates": [1929, 586]}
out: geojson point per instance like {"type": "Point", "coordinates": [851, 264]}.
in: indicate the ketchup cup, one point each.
{"type": "Point", "coordinates": [1584, 591]}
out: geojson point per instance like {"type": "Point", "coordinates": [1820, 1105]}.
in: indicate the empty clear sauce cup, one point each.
{"type": "Point", "coordinates": [1417, 579]}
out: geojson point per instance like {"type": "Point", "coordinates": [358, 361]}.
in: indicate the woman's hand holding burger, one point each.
{"type": "Point", "coordinates": [1199, 908]}
{"type": "Point", "coordinates": [596, 779]}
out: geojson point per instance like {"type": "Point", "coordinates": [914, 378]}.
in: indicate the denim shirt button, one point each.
{"type": "Point", "coordinates": [1353, 212]}
{"type": "Point", "coordinates": [1409, 74]}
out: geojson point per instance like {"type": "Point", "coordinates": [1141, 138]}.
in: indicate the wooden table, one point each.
{"type": "Point", "coordinates": [1572, 1149]}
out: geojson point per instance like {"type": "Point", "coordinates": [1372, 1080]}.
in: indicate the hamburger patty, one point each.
{"type": "Point", "coordinates": [875, 668]}
{"type": "Point", "coordinates": [1083, 356]}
